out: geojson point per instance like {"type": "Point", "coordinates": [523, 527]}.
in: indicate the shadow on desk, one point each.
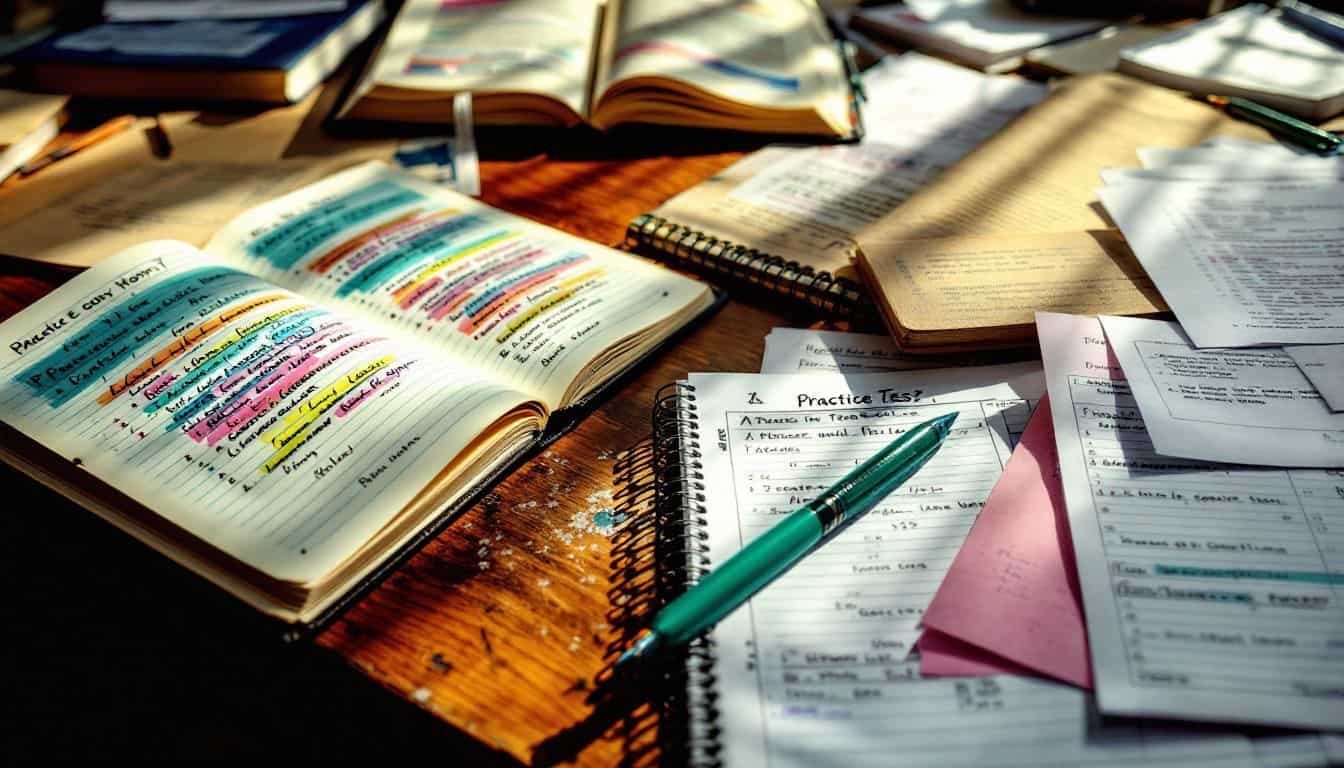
{"type": "Point", "coordinates": [114, 653]}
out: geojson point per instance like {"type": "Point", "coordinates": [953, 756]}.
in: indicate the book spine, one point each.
{"type": "Point", "coordinates": [683, 560]}
{"type": "Point", "coordinates": [836, 296]}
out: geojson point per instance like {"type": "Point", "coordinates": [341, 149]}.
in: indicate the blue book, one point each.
{"type": "Point", "coordinates": [275, 60]}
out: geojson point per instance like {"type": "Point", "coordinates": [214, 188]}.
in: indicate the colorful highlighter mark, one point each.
{"type": "Point", "coordinates": [722, 66]}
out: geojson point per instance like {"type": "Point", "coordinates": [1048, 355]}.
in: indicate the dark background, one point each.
{"type": "Point", "coordinates": [115, 653]}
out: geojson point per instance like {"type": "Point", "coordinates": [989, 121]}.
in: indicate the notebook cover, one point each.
{"type": "Point", "coordinates": [238, 44]}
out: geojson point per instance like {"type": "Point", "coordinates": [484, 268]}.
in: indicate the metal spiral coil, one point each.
{"type": "Point", "coordinates": [837, 296]}
{"type": "Point", "coordinates": [679, 493]}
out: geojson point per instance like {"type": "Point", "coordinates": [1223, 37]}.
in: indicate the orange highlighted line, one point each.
{"type": "Point", "coordinates": [181, 344]}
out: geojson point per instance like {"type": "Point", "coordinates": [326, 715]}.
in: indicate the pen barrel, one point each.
{"type": "Point", "coordinates": [877, 477]}
{"type": "Point", "coordinates": [1283, 125]}
{"type": "Point", "coordinates": [738, 578]}
{"type": "Point", "coordinates": [772, 553]}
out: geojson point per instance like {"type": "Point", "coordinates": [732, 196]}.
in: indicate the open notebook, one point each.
{"type": "Point", "coordinates": [760, 65]}
{"type": "Point", "coordinates": [290, 407]}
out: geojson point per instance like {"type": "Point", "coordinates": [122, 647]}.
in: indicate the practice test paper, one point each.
{"type": "Point", "coordinates": [1258, 263]}
{"type": "Point", "coordinates": [1243, 406]}
{"type": "Point", "coordinates": [1211, 591]}
{"type": "Point", "coordinates": [813, 671]}
{"type": "Point", "coordinates": [1323, 365]}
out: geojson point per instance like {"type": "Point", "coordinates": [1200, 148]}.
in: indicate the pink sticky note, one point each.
{"type": "Point", "coordinates": [1013, 588]}
{"type": "Point", "coordinates": [945, 655]}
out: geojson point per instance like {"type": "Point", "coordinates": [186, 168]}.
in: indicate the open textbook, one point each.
{"type": "Point", "coordinates": [288, 408]}
{"type": "Point", "coordinates": [1211, 591]}
{"type": "Point", "coordinates": [759, 65]}
{"type": "Point", "coordinates": [814, 671]}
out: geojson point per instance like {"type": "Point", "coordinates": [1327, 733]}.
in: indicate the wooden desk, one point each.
{"type": "Point", "coordinates": [500, 626]}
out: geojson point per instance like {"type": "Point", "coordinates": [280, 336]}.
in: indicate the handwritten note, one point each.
{"type": "Point", "coordinates": [285, 434]}
{"type": "Point", "coordinates": [530, 304]}
{"type": "Point", "coordinates": [1212, 591]}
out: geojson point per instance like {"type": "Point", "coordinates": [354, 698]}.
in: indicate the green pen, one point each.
{"type": "Point", "coordinates": [772, 553]}
{"type": "Point", "coordinates": [1302, 134]}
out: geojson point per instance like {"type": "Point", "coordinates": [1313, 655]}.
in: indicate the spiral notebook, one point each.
{"type": "Point", "coordinates": [787, 219]}
{"type": "Point", "coordinates": [817, 669]}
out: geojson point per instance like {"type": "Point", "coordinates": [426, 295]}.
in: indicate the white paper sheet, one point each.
{"type": "Point", "coordinates": [1271, 157]}
{"type": "Point", "coordinates": [813, 672]}
{"type": "Point", "coordinates": [804, 350]}
{"type": "Point", "coordinates": [1229, 172]}
{"type": "Point", "coordinates": [1244, 406]}
{"type": "Point", "coordinates": [1211, 591]}
{"type": "Point", "coordinates": [921, 116]}
{"type": "Point", "coordinates": [1257, 263]}
{"type": "Point", "coordinates": [1323, 365]}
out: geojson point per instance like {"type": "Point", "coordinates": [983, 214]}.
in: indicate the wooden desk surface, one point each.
{"type": "Point", "coordinates": [502, 624]}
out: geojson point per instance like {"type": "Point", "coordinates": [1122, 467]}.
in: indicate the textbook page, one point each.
{"type": "Point", "coordinates": [1241, 265]}
{"type": "Point", "coordinates": [1323, 364]}
{"type": "Point", "coordinates": [995, 281]}
{"type": "Point", "coordinates": [280, 432]}
{"type": "Point", "coordinates": [1211, 591]}
{"type": "Point", "coordinates": [531, 304]}
{"type": "Point", "coordinates": [776, 54]}
{"type": "Point", "coordinates": [536, 46]}
{"type": "Point", "coordinates": [1241, 406]}
{"type": "Point", "coordinates": [815, 667]}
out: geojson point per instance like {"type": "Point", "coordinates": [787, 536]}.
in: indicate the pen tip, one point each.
{"type": "Point", "coordinates": [645, 646]}
{"type": "Point", "coordinates": [944, 423]}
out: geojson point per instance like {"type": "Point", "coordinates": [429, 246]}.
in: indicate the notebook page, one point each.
{"type": "Point", "coordinates": [814, 671]}
{"type": "Point", "coordinates": [1211, 591]}
{"type": "Point", "coordinates": [530, 304]}
{"type": "Point", "coordinates": [1255, 263]}
{"type": "Point", "coordinates": [278, 431]}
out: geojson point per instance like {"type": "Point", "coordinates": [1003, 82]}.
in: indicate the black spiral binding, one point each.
{"type": "Point", "coordinates": [679, 494]}
{"type": "Point", "coordinates": [837, 296]}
